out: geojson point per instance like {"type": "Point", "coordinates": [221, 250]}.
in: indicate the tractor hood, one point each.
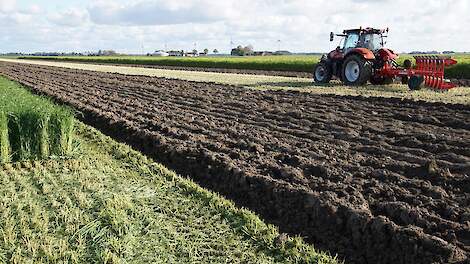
{"type": "Point", "coordinates": [363, 52]}
{"type": "Point", "coordinates": [387, 54]}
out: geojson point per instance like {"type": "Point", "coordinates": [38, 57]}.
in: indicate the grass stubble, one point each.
{"type": "Point", "coordinates": [111, 204]}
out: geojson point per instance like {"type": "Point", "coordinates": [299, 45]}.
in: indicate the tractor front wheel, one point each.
{"type": "Point", "coordinates": [356, 70]}
{"type": "Point", "coordinates": [322, 73]}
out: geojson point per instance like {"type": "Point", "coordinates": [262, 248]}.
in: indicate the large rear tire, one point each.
{"type": "Point", "coordinates": [322, 73]}
{"type": "Point", "coordinates": [356, 70]}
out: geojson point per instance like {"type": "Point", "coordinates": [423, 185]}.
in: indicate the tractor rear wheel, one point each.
{"type": "Point", "coordinates": [415, 82]}
{"type": "Point", "coordinates": [356, 70]}
{"type": "Point", "coordinates": [380, 80]}
{"type": "Point", "coordinates": [322, 73]}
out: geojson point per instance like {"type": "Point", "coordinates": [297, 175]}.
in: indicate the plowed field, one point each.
{"type": "Point", "coordinates": [374, 180]}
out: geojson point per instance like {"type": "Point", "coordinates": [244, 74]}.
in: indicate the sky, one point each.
{"type": "Point", "coordinates": [300, 25]}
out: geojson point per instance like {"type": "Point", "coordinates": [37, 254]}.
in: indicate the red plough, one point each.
{"type": "Point", "coordinates": [432, 69]}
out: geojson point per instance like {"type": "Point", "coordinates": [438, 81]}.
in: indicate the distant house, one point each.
{"type": "Point", "coordinates": [160, 53]}
{"type": "Point", "coordinates": [191, 54]}
{"type": "Point", "coordinates": [176, 53]}
{"type": "Point", "coordinates": [262, 53]}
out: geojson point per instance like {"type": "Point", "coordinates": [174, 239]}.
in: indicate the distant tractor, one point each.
{"type": "Point", "coordinates": [364, 58]}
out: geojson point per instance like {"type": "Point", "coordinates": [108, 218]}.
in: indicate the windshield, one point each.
{"type": "Point", "coordinates": [351, 41]}
{"type": "Point", "coordinates": [368, 41]}
{"type": "Point", "coordinates": [371, 41]}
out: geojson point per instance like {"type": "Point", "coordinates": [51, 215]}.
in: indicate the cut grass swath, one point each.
{"type": "Point", "coordinates": [32, 127]}
{"type": "Point", "coordinates": [4, 141]}
{"type": "Point", "coordinates": [114, 205]}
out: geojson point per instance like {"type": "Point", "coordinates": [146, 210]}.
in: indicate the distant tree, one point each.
{"type": "Point", "coordinates": [206, 51]}
{"type": "Point", "coordinates": [195, 51]}
{"type": "Point", "coordinates": [106, 52]}
{"type": "Point", "coordinates": [215, 51]}
{"type": "Point", "coordinates": [242, 51]}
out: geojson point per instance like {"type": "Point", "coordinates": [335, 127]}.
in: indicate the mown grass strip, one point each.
{"type": "Point", "coordinates": [4, 140]}
{"type": "Point", "coordinates": [269, 63]}
{"type": "Point", "coordinates": [32, 127]}
{"type": "Point", "coordinates": [114, 205]}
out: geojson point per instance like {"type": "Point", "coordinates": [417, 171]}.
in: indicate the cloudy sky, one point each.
{"type": "Point", "coordinates": [301, 25]}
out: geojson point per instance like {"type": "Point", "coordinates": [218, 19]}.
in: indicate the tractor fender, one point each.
{"type": "Point", "coordinates": [336, 55]}
{"type": "Point", "coordinates": [363, 52]}
{"type": "Point", "coordinates": [387, 54]}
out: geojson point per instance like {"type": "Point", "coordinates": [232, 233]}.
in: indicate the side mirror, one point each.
{"type": "Point", "coordinates": [332, 36]}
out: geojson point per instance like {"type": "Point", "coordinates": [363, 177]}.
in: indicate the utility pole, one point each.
{"type": "Point", "coordinates": [279, 44]}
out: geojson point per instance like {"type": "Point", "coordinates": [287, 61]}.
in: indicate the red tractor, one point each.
{"type": "Point", "coordinates": [364, 58]}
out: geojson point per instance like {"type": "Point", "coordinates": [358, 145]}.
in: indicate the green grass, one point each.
{"type": "Point", "coordinates": [276, 63]}
{"type": "Point", "coordinates": [31, 127]}
{"type": "Point", "coordinates": [116, 206]}
{"type": "Point", "coordinates": [113, 205]}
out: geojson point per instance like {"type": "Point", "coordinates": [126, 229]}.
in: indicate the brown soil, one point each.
{"type": "Point", "coordinates": [375, 180]}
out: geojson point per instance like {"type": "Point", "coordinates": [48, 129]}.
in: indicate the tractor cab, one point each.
{"type": "Point", "coordinates": [368, 38]}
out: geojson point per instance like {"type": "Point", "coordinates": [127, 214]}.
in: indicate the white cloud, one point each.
{"type": "Point", "coordinates": [34, 9]}
{"type": "Point", "coordinates": [302, 25]}
{"type": "Point", "coordinates": [7, 5]}
{"type": "Point", "coordinates": [157, 12]}
{"type": "Point", "coordinates": [72, 18]}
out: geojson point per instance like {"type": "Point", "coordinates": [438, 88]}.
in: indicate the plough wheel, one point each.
{"type": "Point", "coordinates": [415, 82]}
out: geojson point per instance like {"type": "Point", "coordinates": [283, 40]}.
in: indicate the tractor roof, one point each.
{"type": "Point", "coordinates": [365, 30]}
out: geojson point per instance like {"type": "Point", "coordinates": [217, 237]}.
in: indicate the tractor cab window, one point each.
{"type": "Point", "coordinates": [351, 41]}
{"type": "Point", "coordinates": [371, 41]}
